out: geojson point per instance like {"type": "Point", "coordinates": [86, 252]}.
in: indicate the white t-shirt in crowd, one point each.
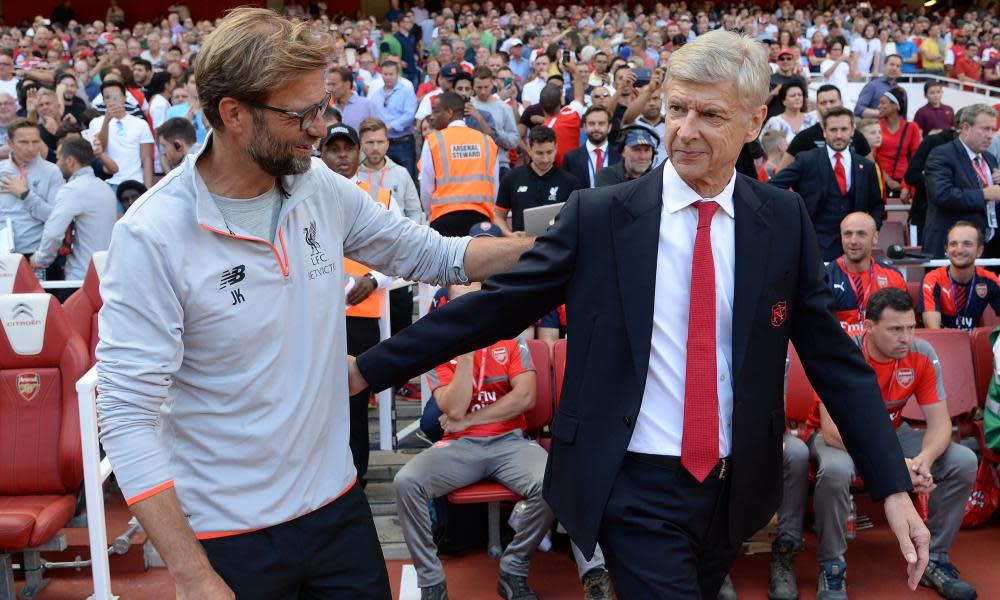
{"type": "Point", "coordinates": [866, 51]}
{"type": "Point", "coordinates": [532, 91]}
{"type": "Point", "coordinates": [124, 139]}
{"type": "Point", "coordinates": [839, 76]}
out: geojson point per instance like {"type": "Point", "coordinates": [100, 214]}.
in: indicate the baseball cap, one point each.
{"type": "Point", "coordinates": [786, 52]}
{"type": "Point", "coordinates": [639, 137]}
{"type": "Point", "coordinates": [508, 44]}
{"type": "Point", "coordinates": [341, 130]}
{"type": "Point", "coordinates": [450, 71]}
{"type": "Point", "coordinates": [485, 229]}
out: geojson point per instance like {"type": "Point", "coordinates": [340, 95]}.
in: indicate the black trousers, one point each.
{"type": "Point", "coordinates": [362, 334]}
{"type": "Point", "coordinates": [664, 535]}
{"type": "Point", "coordinates": [458, 223]}
{"type": "Point", "coordinates": [332, 552]}
{"type": "Point", "coordinates": [400, 309]}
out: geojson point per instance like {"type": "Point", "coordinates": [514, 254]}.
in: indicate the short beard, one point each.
{"type": "Point", "coordinates": [596, 142]}
{"type": "Point", "coordinates": [276, 158]}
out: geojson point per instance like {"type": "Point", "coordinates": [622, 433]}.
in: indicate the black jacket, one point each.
{"type": "Point", "coordinates": [577, 162]}
{"type": "Point", "coordinates": [811, 175]}
{"type": "Point", "coordinates": [954, 193]}
{"type": "Point", "coordinates": [600, 260]}
{"type": "Point", "coordinates": [915, 174]}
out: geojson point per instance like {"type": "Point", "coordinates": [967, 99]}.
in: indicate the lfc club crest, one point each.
{"type": "Point", "coordinates": [904, 377]}
{"type": "Point", "coordinates": [500, 355]}
{"type": "Point", "coordinates": [982, 290]}
{"type": "Point", "coordinates": [28, 385]}
{"type": "Point", "coordinates": [779, 312]}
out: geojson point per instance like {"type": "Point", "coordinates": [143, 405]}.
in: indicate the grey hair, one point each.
{"type": "Point", "coordinates": [721, 55]}
{"type": "Point", "coordinates": [971, 112]}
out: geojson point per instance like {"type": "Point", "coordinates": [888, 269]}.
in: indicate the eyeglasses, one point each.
{"type": "Point", "coordinates": [306, 117]}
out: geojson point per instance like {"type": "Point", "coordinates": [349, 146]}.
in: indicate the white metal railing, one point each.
{"type": "Point", "coordinates": [95, 473]}
{"type": "Point", "coordinates": [69, 284]}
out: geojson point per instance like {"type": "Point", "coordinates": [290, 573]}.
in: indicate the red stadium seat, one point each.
{"type": "Point", "coordinates": [84, 304]}
{"type": "Point", "coordinates": [914, 288]}
{"type": "Point", "coordinates": [799, 400]}
{"type": "Point", "coordinates": [16, 277]}
{"type": "Point", "coordinates": [982, 362]}
{"type": "Point", "coordinates": [892, 232]}
{"type": "Point", "coordinates": [41, 359]}
{"type": "Point", "coordinates": [955, 354]}
{"type": "Point", "coordinates": [537, 418]}
{"type": "Point", "coordinates": [559, 368]}
{"type": "Point", "coordinates": [990, 318]}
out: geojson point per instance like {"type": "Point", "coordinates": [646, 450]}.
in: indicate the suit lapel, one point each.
{"type": "Point", "coordinates": [857, 184]}
{"type": "Point", "coordinates": [635, 222]}
{"type": "Point", "coordinates": [963, 159]}
{"type": "Point", "coordinates": [753, 244]}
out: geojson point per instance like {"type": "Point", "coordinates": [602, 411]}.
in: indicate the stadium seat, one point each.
{"type": "Point", "coordinates": [84, 304]}
{"type": "Point", "coordinates": [799, 400]}
{"type": "Point", "coordinates": [491, 492]}
{"type": "Point", "coordinates": [990, 318]}
{"type": "Point", "coordinates": [982, 362]}
{"type": "Point", "coordinates": [41, 359]}
{"type": "Point", "coordinates": [892, 233]}
{"type": "Point", "coordinates": [955, 354]}
{"type": "Point", "coordinates": [558, 368]}
{"type": "Point", "coordinates": [914, 288]}
{"type": "Point", "coordinates": [16, 277]}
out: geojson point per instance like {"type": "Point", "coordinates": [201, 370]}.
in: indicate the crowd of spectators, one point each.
{"type": "Point", "coordinates": [547, 101]}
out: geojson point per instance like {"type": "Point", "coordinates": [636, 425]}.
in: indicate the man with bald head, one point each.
{"type": "Point", "coordinates": [856, 275]}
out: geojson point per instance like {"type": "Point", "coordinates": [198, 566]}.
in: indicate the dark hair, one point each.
{"type": "Point", "coordinates": [177, 128]}
{"type": "Point", "coordinates": [900, 95]}
{"type": "Point", "coordinates": [794, 82]}
{"type": "Point", "coordinates": [828, 87]}
{"type": "Point", "coordinates": [838, 111]}
{"type": "Point", "coordinates": [482, 73]}
{"type": "Point", "coordinates": [932, 83]}
{"type": "Point", "coordinates": [901, 61]}
{"type": "Point", "coordinates": [596, 109]}
{"type": "Point", "coordinates": [453, 102]}
{"type": "Point", "coordinates": [138, 60]}
{"type": "Point", "coordinates": [343, 73]}
{"type": "Point", "coordinates": [158, 84]}
{"type": "Point", "coordinates": [461, 76]}
{"type": "Point", "coordinates": [550, 98]}
{"type": "Point", "coordinates": [78, 148]}
{"type": "Point", "coordinates": [540, 134]}
{"type": "Point", "coordinates": [980, 238]}
{"type": "Point", "coordinates": [891, 298]}
{"type": "Point", "coordinates": [112, 83]}
{"type": "Point", "coordinates": [128, 186]}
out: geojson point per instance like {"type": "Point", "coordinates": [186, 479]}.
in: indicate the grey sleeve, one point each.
{"type": "Point", "coordinates": [40, 207]}
{"type": "Point", "coordinates": [506, 130]}
{"type": "Point", "coordinates": [396, 245]}
{"type": "Point", "coordinates": [411, 202]}
{"type": "Point", "coordinates": [67, 207]}
{"type": "Point", "coordinates": [140, 348]}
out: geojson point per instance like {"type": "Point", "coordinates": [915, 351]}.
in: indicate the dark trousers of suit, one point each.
{"type": "Point", "coordinates": [664, 534]}
{"type": "Point", "coordinates": [362, 334]}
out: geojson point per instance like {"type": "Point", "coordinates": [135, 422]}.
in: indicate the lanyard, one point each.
{"type": "Point", "coordinates": [868, 286]}
{"type": "Point", "coordinates": [980, 172]}
{"type": "Point", "coordinates": [381, 176]}
{"type": "Point", "coordinates": [960, 312]}
{"type": "Point", "coordinates": [482, 373]}
{"type": "Point", "coordinates": [593, 169]}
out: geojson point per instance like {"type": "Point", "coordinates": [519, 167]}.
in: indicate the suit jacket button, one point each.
{"type": "Point", "coordinates": [628, 421]}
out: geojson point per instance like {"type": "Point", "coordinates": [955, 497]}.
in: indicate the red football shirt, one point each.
{"type": "Point", "coordinates": [917, 374]}
{"type": "Point", "coordinates": [566, 125]}
{"type": "Point", "coordinates": [493, 368]}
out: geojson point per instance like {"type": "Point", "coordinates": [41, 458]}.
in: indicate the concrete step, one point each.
{"type": "Point", "coordinates": [390, 536]}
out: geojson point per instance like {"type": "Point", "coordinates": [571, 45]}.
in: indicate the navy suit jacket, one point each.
{"type": "Point", "coordinates": [600, 260]}
{"type": "Point", "coordinates": [954, 193]}
{"type": "Point", "coordinates": [576, 162]}
{"type": "Point", "coordinates": [811, 175]}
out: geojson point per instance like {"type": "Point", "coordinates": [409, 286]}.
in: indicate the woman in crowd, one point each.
{"type": "Point", "coordinates": [793, 96]}
{"type": "Point", "coordinates": [900, 140]}
{"type": "Point", "coordinates": [838, 68]}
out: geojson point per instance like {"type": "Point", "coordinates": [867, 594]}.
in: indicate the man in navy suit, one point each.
{"type": "Point", "coordinates": [586, 161]}
{"type": "Point", "coordinates": [682, 291]}
{"type": "Point", "coordinates": [834, 182]}
{"type": "Point", "coordinates": [963, 183]}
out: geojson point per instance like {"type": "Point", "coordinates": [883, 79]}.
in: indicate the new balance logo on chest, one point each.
{"type": "Point", "coordinates": [232, 277]}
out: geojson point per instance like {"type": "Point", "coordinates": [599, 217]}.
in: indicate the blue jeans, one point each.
{"type": "Point", "coordinates": [404, 154]}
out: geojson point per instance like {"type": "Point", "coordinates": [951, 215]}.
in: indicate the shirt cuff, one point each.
{"type": "Point", "coordinates": [458, 274]}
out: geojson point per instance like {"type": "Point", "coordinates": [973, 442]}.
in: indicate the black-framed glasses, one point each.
{"type": "Point", "coordinates": [306, 117]}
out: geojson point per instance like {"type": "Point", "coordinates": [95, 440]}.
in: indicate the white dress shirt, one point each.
{"type": "Point", "coordinates": [592, 166]}
{"type": "Point", "coordinates": [845, 157]}
{"type": "Point", "coordinates": [660, 425]}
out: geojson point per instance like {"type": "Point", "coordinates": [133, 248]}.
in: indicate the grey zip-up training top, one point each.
{"type": "Point", "coordinates": [222, 357]}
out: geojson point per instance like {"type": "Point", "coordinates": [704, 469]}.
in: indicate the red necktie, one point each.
{"type": "Point", "coordinates": [700, 440]}
{"type": "Point", "coordinates": [600, 160]}
{"type": "Point", "coordinates": [841, 174]}
{"type": "Point", "coordinates": [859, 289]}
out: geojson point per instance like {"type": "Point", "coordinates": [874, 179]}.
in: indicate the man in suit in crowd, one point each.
{"type": "Point", "coordinates": [963, 183]}
{"type": "Point", "coordinates": [587, 161]}
{"type": "Point", "coordinates": [914, 176]}
{"type": "Point", "coordinates": [667, 445]}
{"type": "Point", "coordinates": [834, 181]}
